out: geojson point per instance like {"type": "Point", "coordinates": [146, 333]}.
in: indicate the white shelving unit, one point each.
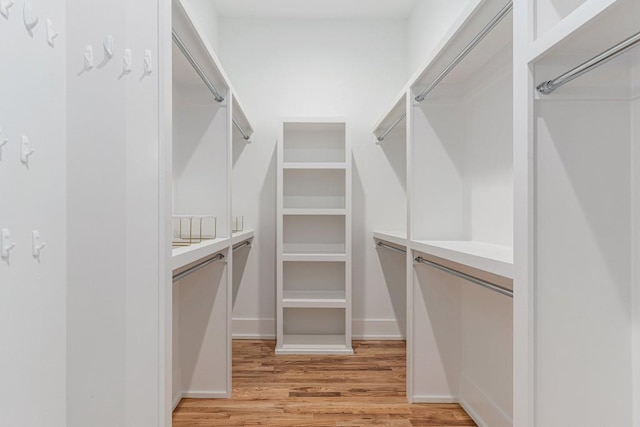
{"type": "Point", "coordinates": [577, 253]}
{"type": "Point", "coordinates": [314, 238]}
{"type": "Point", "coordinates": [457, 145]}
{"type": "Point", "coordinates": [208, 124]}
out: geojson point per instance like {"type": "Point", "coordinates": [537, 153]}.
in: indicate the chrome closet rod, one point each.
{"type": "Point", "coordinates": [242, 245]}
{"type": "Point", "coordinates": [467, 277]}
{"type": "Point", "coordinates": [393, 248]}
{"type": "Point", "coordinates": [392, 127]}
{"type": "Point", "coordinates": [244, 134]}
{"type": "Point", "coordinates": [549, 86]}
{"type": "Point", "coordinates": [478, 38]}
{"type": "Point", "coordinates": [185, 51]}
{"type": "Point", "coordinates": [197, 267]}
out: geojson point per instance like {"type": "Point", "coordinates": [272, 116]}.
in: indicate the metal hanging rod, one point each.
{"type": "Point", "coordinates": [549, 86]}
{"type": "Point", "coordinates": [185, 51]}
{"type": "Point", "coordinates": [392, 127]}
{"type": "Point", "coordinates": [393, 248]}
{"type": "Point", "coordinates": [197, 267]}
{"type": "Point", "coordinates": [475, 280]}
{"type": "Point", "coordinates": [478, 38]}
{"type": "Point", "coordinates": [245, 136]}
{"type": "Point", "coordinates": [242, 245]}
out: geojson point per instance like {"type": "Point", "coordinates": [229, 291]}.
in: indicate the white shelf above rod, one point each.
{"type": "Point", "coordinates": [185, 51]}
{"type": "Point", "coordinates": [245, 135]}
{"type": "Point", "coordinates": [392, 127]}
{"type": "Point", "coordinates": [549, 86]}
{"type": "Point", "coordinates": [197, 267]}
{"type": "Point", "coordinates": [458, 59]}
{"type": "Point", "coordinates": [391, 248]}
{"type": "Point", "coordinates": [467, 277]}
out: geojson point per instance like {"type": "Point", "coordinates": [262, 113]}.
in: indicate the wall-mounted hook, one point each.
{"type": "Point", "coordinates": [30, 21]}
{"type": "Point", "coordinates": [127, 61]}
{"type": "Point", "coordinates": [108, 45]}
{"type": "Point", "coordinates": [51, 33]}
{"type": "Point", "coordinates": [27, 151]}
{"type": "Point", "coordinates": [6, 245]}
{"type": "Point", "coordinates": [38, 245]}
{"type": "Point", "coordinates": [5, 5]}
{"type": "Point", "coordinates": [87, 57]}
{"type": "Point", "coordinates": [3, 142]}
{"type": "Point", "coordinates": [148, 63]}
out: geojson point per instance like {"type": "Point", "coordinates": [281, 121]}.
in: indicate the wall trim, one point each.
{"type": "Point", "coordinates": [484, 410]}
{"type": "Point", "coordinates": [434, 399]}
{"type": "Point", "coordinates": [205, 394]}
{"type": "Point", "coordinates": [362, 329]}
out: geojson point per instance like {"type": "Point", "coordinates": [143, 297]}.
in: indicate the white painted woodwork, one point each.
{"type": "Point", "coordinates": [314, 239]}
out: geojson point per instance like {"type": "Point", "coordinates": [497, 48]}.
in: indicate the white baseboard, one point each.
{"type": "Point", "coordinates": [205, 395]}
{"type": "Point", "coordinates": [362, 329]}
{"type": "Point", "coordinates": [434, 399]}
{"type": "Point", "coordinates": [484, 410]}
{"type": "Point", "coordinates": [254, 329]}
{"type": "Point", "coordinates": [376, 329]}
{"type": "Point", "coordinates": [176, 401]}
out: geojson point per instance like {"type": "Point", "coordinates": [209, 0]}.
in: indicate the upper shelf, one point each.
{"type": "Point", "coordinates": [393, 118]}
{"type": "Point", "coordinates": [464, 75]}
{"type": "Point", "coordinates": [194, 55]}
{"type": "Point", "coordinates": [494, 259]}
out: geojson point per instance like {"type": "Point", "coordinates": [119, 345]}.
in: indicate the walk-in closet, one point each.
{"type": "Point", "coordinates": [319, 213]}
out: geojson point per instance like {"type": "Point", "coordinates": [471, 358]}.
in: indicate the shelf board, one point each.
{"type": "Point", "coordinates": [314, 165]}
{"type": "Point", "coordinates": [314, 344]}
{"type": "Point", "coordinates": [319, 257]}
{"type": "Point", "coordinates": [494, 259]}
{"type": "Point", "coordinates": [241, 236]}
{"type": "Point", "coordinates": [297, 211]}
{"type": "Point", "coordinates": [396, 237]}
{"type": "Point", "coordinates": [314, 299]}
{"type": "Point", "coordinates": [185, 255]}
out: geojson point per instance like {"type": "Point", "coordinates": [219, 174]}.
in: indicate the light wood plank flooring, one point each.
{"type": "Point", "coordinates": [367, 389]}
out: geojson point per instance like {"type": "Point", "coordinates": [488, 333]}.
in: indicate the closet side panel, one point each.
{"type": "Point", "coordinates": [635, 144]}
{"type": "Point", "coordinates": [583, 263]}
{"type": "Point", "coordinates": [33, 291]}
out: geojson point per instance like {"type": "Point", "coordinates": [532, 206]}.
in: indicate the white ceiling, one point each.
{"type": "Point", "coordinates": [325, 9]}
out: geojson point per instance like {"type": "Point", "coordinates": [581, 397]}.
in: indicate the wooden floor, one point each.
{"type": "Point", "coordinates": [367, 389]}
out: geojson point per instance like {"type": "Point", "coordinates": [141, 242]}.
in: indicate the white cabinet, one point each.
{"type": "Point", "coordinates": [314, 238]}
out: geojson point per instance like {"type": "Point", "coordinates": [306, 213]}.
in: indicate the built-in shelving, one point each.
{"type": "Point", "coordinates": [208, 122]}
{"type": "Point", "coordinates": [314, 238]}
{"type": "Point", "coordinates": [495, 259]}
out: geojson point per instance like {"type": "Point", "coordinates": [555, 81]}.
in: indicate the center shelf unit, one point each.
{"type": "Point", "coordinates": [314, 238]}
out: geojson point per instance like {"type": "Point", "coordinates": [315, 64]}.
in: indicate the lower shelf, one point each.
{"type": "Point", "coordinates": [313, 344]}
{"type": "Point", "coordinates": [317, 299]}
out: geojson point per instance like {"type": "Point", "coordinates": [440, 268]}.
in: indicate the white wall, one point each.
{"type": "Point", "coordinates": [32, 292]}
{"type": "Point", "coordinates": [205, 15]}
{"type": "Point", "coordinates": [285, 68]}
{"type": "Point", "coordinates": [428, 24]}
{"type": "Point", "coordinates": [114, 246]}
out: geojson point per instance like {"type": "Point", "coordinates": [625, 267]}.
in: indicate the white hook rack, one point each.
{"type": "Point", "coordinates": [30, 20]}
{"type": "Point", "coordinates": [6, 245]}
{"type": "Point", "coordinates": [27, 151]}
{"type": "Point", "coordinates": [3, 142]}
{"type": "Point", "coordinates": [108, 45]}
{"type": "Point", "coordinates": [148, 63]}
{"type": "Point", "coordinates": [51, 33]}
{"type": "Point", "coordinates": [37, 243]}
{"type": "Point", "coordinates": [127, 61]}
{"type": "Point", "coordinates": [87, 57]}
{"type": "Point", "coordinates": [5, 5]}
